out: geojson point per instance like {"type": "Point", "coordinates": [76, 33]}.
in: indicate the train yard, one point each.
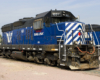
{"type": "Point", "coordinates": [47, 44]}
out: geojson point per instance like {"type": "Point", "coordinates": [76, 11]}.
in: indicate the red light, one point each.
{"type": "Point", "coordinates": [79, 33]}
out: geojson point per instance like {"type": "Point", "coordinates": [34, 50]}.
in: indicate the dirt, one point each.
{"type": "Point", "coordinates": [19, 70]}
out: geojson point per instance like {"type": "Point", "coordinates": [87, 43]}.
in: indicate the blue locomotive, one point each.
{"type": "Point", "coordinates": [95, 34]}
{"type": "Point", "coordinates": [54, 37]}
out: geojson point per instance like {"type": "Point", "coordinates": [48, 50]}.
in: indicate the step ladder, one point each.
{"type": "Point", "coordinates": [62, 49]}
{"type": "Point", "coordinates": [62, 52]}
{"type": "Point", "coordinates": [62, 55]}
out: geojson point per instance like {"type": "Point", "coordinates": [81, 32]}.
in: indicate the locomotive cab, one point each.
{"type": "Point", "coordinates": [58, 16]}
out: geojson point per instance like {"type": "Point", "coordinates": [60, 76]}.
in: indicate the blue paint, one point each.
{"type": "Point", "coordinates": [46, 36]}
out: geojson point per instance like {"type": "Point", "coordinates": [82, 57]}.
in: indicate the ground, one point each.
{"type": "Point", "coordinates": [19, 70]}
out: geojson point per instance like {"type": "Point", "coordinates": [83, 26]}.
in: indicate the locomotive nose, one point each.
{"type": "Point", "coordinates": [75, 33]}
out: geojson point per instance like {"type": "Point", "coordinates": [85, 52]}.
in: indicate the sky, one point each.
{"type": "Point", "coordinates": [13, 10]}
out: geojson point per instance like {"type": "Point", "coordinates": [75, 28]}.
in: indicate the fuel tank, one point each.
{"type": "Point", "coordinates": [19, 55]}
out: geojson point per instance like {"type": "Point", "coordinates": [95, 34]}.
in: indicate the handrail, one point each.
{"type": "Point", "coordinates": [96, 37]}
{"type": "Point", "coordinates": [60, 38]}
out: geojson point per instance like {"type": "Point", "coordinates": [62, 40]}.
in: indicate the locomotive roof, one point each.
{"type": "Point", "coordinates": [28, 21]}
{"type": "Point", "coordinates": [20, 21]}
{"type": "Point", "coordinates": [41, 15]}
{"type": "Point", "coordinates": [93, 25]}
{"type": "Point", "coordinates": [7, 25]}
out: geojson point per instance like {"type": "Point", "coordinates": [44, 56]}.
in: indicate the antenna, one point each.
{"type": "Point", "coordinates": [78, 18]}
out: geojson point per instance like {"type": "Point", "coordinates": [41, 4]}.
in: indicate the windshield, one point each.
{"type": "Point", "coordinates": [58, 20]}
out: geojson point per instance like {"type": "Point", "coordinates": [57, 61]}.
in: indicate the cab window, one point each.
{"type": "Point", "coordinates": [38, 24]}
{"type": "Point", "coordinates": [61, 19]}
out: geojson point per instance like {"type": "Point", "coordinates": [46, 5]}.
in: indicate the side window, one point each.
{"type": "Point", "coordinates": [38, 24]}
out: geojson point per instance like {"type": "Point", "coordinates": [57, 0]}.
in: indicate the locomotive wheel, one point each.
{"type": "Point", "coordinates": [9, 55]}
{"type": "Point", "coordinates": [30, 58]}
{"type": "Point", "coordinates": [0, 53]}
{"type": "Point", "coordinates": [47, 61]}
{"type": "Point", "coordinates": [3, 53]}
{"type": "Point", "coordinates": [27, 56]}
{"type": "Point", "coordinates": [53, 62]}
{"type": "Point", "coordinates": [37, 60]}
{"type": "Point", "coordinates": [6, 54]}
{"type": "Point", "coordinates": [41, 61]}
{"type": "Point", "coordinates": [58, 62]}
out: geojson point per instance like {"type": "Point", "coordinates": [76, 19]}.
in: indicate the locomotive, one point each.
{"type": "Point", "coordinates": [54, 38]}
{"type": "Point", "coordinates": [94, 34]}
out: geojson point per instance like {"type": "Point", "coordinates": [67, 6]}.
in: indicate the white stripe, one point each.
{"type": "Point", "coordinates": [76, 32]}
{"type": "Point", "coordinates": [70, 33]}
{"type": "Point", "coordinates": [78, 42]}
{"type": "Point", "coordinates": [76, 38]}
{"type": "Point", "coordinates": [66, 24]}
{"type": "Point", "coordinates": [92, 38]}
{"type": "Point", "coordinates": [69, 26]}
{"type": "Point", "coordinates": [71, 30]}
{"type": "Point", "coordinates": [68, 40]}
{"type": "Point", "coordinates": [71, 43]}
{"type": "Point", "coordinates": [77, 35]}
{"type": "Point", "coordinates": [58, 36]}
